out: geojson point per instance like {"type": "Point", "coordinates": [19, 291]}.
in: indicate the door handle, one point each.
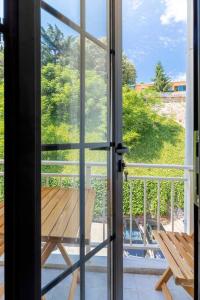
{"type": "Point", "coordinates": [120, 149]}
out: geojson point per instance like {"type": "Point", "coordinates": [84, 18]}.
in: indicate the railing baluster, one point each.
{"type": "Point", "coordinates": [104, 215]}
{"type": "Point", "coordinates": [145, 211]}
{"type": "Point", "coordinates": [172, 205]}
{"type": "Point", "coordinates": [131, 210]}
{"type": "Point", "coordinates": [158, 207]}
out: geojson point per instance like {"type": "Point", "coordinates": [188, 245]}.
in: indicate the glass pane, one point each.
{"type": "Point", "coordinates": [60, 82]}
{"type": "Point", "coordinates": [97, 276]}
{"type": "Point", "coordinates": [60, 209]}
{"type": "Point", "coordinates": [1, 10]}
{"type": "Point", "coordinates": [64, 289]}
{"type": "Point", "coordinates": [96, 94]}
{"type": "Point", "coordinates": [96, 18]}
{"type": "Point", "coordinates": [97, 200]}
{"type": "Point", "coordinates": [69, 8]}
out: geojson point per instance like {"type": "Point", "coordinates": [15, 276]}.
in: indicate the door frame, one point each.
{"type": "Point", "coordinates": [196, 71]}
{"type": "Point", "coordinates": [23, 151]}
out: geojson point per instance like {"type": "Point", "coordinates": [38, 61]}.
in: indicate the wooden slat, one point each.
{"type": "Point", "coordinates": [189, 259]}
{"type": "Point", "coordinates": [2, 211]}
{"type": "Point", "coordinates": [66, 216]}
{"type": "Point", "coordinates": [72, 228]}
{"type": "Point", "coordinates": [90, 200]}
{"type": "Point", "coordinates": [188, 239]}
{"type": "Point", "coordinates": [45, 191]}
{"type": "Point", "coordinates": [173, 264]}
{"type": "Point", "coordinates": [182, 265]}
{"type": "Point", "coordinates": [185, 244]}
{"type": "Point", "coordinates": [55, 214]}
{"type": "Point", "coordinates": [45, 199]}
{"type": "Point", "coordinates": [51, 204]}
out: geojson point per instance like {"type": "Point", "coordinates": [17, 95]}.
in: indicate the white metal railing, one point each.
{"type": "Point", "coordinates": [131, 179]}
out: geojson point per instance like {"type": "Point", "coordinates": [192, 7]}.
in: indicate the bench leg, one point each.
{"type": "Point", "coordinates": [75, 275]}
{"type": "Point", "coordinates": [166, 292]}
{"type": "Point", "coordinates": [164, 278]}
{"type": "Point", "coordinates": [67, 259]}
{"type": "Point", "coordinates": [46, 251]}
{"type": "Point", "coordinates": [189, 289]}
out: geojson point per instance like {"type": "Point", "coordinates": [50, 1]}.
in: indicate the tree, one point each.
{"type": "Point", "coordinates": [128, 72]}
{"type": "Point", "coordinates": [146, 132]}
{"type": "Point", "coordinates": [56, 48]}
{"type": "Point", "coordinates": [1, 65]}
{"type": "Point", "coordinates": [162, 83]}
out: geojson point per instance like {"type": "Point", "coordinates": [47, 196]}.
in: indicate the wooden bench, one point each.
{"type": "Point", "coordinates": [60, 211]}
{"type": "Point", "coordinates": [178, 249]}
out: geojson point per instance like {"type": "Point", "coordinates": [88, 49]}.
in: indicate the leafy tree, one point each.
{"type": "Point", "coordinates": [128, 72]}
{"type": "Point", "coordinates": [56, 48]}
{"type": "Point", "coordinates": [162, 83]}
{"type": "Point", "coordinates": [1, 119]}
{"type": "Point", "coordinates": [145, 132]}
{"type": "Point", "coordinates": [1, 64]}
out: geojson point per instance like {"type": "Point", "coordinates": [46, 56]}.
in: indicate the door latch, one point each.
{"type": "Point", "coordinates": [120, 149]}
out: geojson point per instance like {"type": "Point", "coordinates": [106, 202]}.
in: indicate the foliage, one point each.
{"type": "Point", "coordinates": [55, 47]}
{"type": "Point", "coordinates": [1, 63]}
{"type": "Point", "coordinates": [162, 83]}
{"type": "Point", "coordinates": [1, 119]}
{"type": "Point", "coordinates": [152, 198]}
{"type": "Point", "coordinates": [144, 130]}
{"type": "Point", "coordinates": [128, 72]}
{"type": "Point", "coordinates": [100, 187]}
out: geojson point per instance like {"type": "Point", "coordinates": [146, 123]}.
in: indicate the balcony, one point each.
{"type": "Point", "coordinates": [143, 260]}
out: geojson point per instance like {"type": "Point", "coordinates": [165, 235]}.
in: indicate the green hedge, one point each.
{"type": "Point", "coordinates": [100, 186]}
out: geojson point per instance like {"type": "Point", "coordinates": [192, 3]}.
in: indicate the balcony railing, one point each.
{"type": "Point", "coordinates": [130, 182]}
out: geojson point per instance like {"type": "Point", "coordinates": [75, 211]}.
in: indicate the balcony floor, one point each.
{"type": "Point", "coordinates": [136, 287]}
{"type": "Point", "coordinates": [139, 279]}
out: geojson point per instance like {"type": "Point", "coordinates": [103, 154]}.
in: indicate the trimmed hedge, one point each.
{"type": "Point", "coordinates": [137, 186]}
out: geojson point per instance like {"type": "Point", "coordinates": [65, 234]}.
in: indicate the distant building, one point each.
{"type": "Point", "coordinates": [143, 86]}
{"type": "Point", "coordinates": [177, 86]}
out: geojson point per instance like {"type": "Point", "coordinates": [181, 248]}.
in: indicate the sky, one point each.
{"type": "Point", "coordinates": [153, 30]}
{"type": "Point", "coordinates": [156, 30]}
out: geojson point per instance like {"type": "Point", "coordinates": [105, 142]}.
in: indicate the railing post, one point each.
{"type": "Point", "coordinates": [172, 205]}
{"type": "Point", "coordinates": [145, 211]}
{"type": "Point", "coordinates": [104, 215]}
{"type": "Point", "coordinates": [188, 202]}
{"type": "Point", "coordinates": [88, 176]}
{"type": "Point", "coordinates": [131, 211]}
{"type": "Point", "coordinates": [158, 207]}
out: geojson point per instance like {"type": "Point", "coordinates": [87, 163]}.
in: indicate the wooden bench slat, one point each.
{"type": "Point", "coordinates": [51, 204]}
{"type": "Point", "coordinates": [53, 218]}
{"type": "Point", "coordinates": [72, 228]}
{"type": "Point", "coordinates": [89, 207]}
{"type": "Point", "coordinates": [181, 250]}
{"type": "Point", "coordinates": [186, 245]}
{"type": "Point", "coordinates": [45, 199]}
{"type": "Point", "coordinates": [66, 216]}
{"type": "Point", "coordinates": [182, 264]}
{"type": "Point", "coordinates": [173, 264]}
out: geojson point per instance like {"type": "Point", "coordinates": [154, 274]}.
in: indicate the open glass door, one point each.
{"type": "Point", "coordinates": [81, 218]}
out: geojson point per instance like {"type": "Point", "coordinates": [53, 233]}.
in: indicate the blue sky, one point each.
{"type": "Point", "coordinates": [153, 30]}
